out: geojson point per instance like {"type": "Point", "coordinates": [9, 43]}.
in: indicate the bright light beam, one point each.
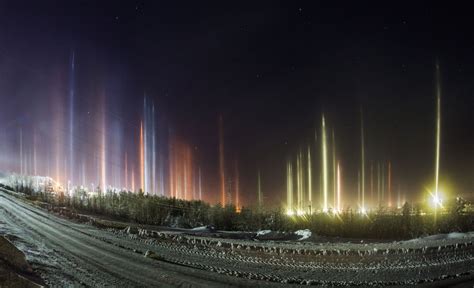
{"type": "Point", "coordinates": [103, 154]}
{"type": "Point", "coordinates": [362, 160]}
{"type": "Point", "coordinates": [338, 187]}
{"type": "Point", "coordinates": [334, 171]}
{"type": "Point", "coordinates": [237, 186]}
{"type": "Point", "coordinates": [389, 184]}
{"type": "Point", "coordinates": [298, 183]}
{"type": "Point", "coordinates": [310, 188]}
{"type": "Point", "coordinates": [325, 167]}
{"type": "Point", "coordinates": [221, 162]}
{"type": "Point", "coordinates": [438, 131]}
{"type": "Point", "coordinates": [71, 122]}
{"type": "Point", "coordinates": [200, 185]}
{"type": "Point", "coordinates": [259, 191]}
{"type": "Point", "coordinates": [289, 188]}
{"type": "Point", "coordinates": [142, 156]}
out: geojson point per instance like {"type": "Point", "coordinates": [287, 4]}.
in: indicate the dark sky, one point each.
{"type": "Point", "coordinates": [270, 69]}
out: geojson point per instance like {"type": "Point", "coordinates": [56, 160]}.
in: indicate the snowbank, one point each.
{"type": "Point", "coordinates": [263, 232]}
{"type": "Point", "coordinates": [200, 229]}
{"type": "Point", "coordinates": [283, 236]}
{"type": "Point", "coordinates": [207, 228]}
{"type": "Point", "coordinates": [305, 234]}
{"type": "Point", "coordinates": [452, 235]}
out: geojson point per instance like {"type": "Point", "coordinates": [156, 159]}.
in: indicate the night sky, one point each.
{"type": "Point", "coordinates": [269, 68]}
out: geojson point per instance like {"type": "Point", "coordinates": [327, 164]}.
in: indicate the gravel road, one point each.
{"type": "Point", "coordinates": [69, 254]}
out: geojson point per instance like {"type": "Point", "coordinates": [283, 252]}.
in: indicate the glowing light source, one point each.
{"type": "Point", "coordinates": [436, 200]}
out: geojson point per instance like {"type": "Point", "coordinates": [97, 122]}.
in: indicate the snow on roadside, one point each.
{"type": "Point", "coordinates": [305, 234]}
{"type": "Point", "coordinates": [302, 234]}
{"type": "Point", "coordinates": [263, 232]}
{"type": "Point", "coordinates": [200, 229]}
{"type": "Point", "coordinates": [452, 235]}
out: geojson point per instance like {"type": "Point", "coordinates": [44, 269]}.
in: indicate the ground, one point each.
{"type": "Point", "coordinates": [67, 253]}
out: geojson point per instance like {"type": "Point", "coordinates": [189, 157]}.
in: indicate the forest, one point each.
{"type": "Point", "coordinates": [412, 220]}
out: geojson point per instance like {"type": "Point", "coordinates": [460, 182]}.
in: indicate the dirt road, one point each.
{"type": "Point", "coordinates": [67, 253]}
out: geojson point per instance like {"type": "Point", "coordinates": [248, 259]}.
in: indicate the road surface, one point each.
{"type": "Point", "coordinates": [71, 254]}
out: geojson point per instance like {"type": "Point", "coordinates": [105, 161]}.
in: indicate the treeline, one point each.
{"type": "Point", "coordinates": [408, 222]}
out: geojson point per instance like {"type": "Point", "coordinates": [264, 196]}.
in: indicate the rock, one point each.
{"type": "Point", "coordinates": [12, 256]}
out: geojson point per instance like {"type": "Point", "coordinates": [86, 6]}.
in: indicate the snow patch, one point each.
{"type": "Point", "coordinates": [263, 232]}
{"type": "Point", "coordinates": [305, 234]}
{"type": "Point", "coordinates": [457, 235]}
{"type": "Point", "coordinates": [200, 229]}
